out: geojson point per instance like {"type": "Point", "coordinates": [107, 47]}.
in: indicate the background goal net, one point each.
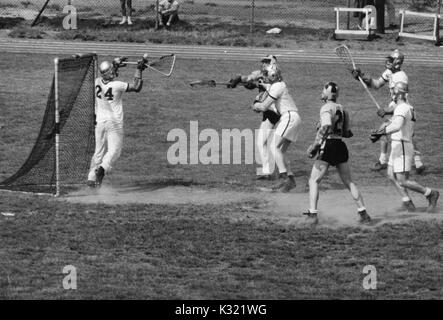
{"type": "Point", "coordinates": [61, 156]}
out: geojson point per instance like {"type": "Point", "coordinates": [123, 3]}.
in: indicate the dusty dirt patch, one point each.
{"type": "Point", "coordinates": [337, 208]}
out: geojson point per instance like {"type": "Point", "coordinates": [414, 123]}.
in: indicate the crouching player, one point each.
{"type": "Point", "coordinates": [109, 118]}
{"type": "Point", "coordinates": [332, 151]}
{"type": "Point", "coordinates": [286, 129]}
{"type": "Point", "coordinates": [401, 130]}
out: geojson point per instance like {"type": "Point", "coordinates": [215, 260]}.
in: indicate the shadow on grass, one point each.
{"type": "Point", "coordinates": [156, 184]}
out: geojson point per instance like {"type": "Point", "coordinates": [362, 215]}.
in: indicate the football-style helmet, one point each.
{"type": "Point", "coordinates": [395, 60]}
{"type": "Point", "coordinates": [269, 60]}
{"type": "Point", "coordinates": [107, 71]}
{"type": "Point", "coordinates": [273, 74]}
{"type": "Point", "coordinates": [330, 92]}
{"type": "Point", "coordinates": [400, 89]}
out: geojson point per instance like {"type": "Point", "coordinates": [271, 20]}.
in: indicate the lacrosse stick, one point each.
{"type": "Point", "coordinates": [163, 65]}
{"type": "Point", "coordinates": [207, 83]}
{"type": "Point", "coordinates": [345, 55]}
{"type": "Point", "coordinates": [211, 83]}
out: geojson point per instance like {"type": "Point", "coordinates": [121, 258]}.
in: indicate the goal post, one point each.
{"type": "Point", "coordinates": [60, 158]}
{"type": "Point", "coordinates": [344, 30]}
{"type": "Point", "coordinates": [422, 25]}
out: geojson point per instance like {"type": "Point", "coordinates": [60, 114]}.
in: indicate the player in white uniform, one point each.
{"type": "Point", "coordinates": [270, 116]}
{"type": "Point", "coordinates": [391, 75]}
{"type": "Point", "coordinates": [286, 129]}
{"type": "Point", "coordinates": [401, 130]}
{"type": "Point", "coordinates": [109, 118]}
{"type": "Point", "coordinates": [332, 151]}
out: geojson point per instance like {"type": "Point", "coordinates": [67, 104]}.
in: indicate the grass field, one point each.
{"type": "Point", "coordinates": [231, 250]}
{"type": "Point", "coordinates": [224, 23]}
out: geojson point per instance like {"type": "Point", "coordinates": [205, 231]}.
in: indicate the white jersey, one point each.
{"type": "Point", "coordinates": [392, 78]}
{"type": "Point", "coordinates": [406, 132]}
{"type": "Point", "coordinates": [283, 100]}
{"type": "Point", "coordinates": [109, 100]}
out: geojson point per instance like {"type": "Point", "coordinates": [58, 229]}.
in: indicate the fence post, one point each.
{"type": "Point", "coordinates": [380, 6]}
{"type": "Point", "coordinates": [348, 22]}
{"type": "Point", "coordinates": [156, 15]}
{"type": "Point", "coordinates": [252, 23]}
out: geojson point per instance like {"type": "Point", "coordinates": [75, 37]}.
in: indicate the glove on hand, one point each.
{"type": "Point", "coordinates": [313, 150]}
{"type": "Point", "coordinates": [234, 82]}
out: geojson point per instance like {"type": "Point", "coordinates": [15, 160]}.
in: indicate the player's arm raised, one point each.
{"type": "Point", "coordinates": [370, 82]}
{"type": "Point", "coordinates": [137, 83]}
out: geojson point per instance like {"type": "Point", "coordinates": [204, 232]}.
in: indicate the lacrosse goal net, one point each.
{"type": "Point", "coordinates": [61, 155]}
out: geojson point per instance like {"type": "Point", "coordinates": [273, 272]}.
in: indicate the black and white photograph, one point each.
{"type": "Point", "coordinates": [221, 156]}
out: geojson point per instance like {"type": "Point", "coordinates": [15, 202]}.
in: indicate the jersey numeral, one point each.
{"type": "Point", "coordinates": [108, 93]}
{"type": "Point", "coordinates": [338, 127]}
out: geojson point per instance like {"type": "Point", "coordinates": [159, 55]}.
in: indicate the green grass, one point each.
{"type": "Point", "coordinates": [199, 251]}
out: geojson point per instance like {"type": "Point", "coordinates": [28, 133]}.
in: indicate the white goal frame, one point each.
{"type": "Point", "coordinates": [342, 33]}
{"type": "Point", "coordinates": [435, 37]}
{"type": "Point", "coordinates": [57, 113]}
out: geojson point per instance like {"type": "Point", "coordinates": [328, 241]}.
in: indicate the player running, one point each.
{"type": "Point", "coordinates": [332, 151]}
{"type": "Point", "coordinates": [109, 118]}
{"type": "Point", "coordinates": [401, 130]}
{"type": "Point", "coordinates": [286, 129]}
{"type": "Point", "coordinates": [391, 75]}
{"type": "Point", "coordinates": [270, 116]}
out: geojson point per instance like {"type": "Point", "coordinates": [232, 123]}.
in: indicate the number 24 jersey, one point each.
{"type": "Point", "coordinates": [109, 100]}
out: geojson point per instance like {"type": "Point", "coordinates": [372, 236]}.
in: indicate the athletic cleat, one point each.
{"type": "Point", "coordinates": [282, 175]}
{"type": "Point", "coordinates": [379, 166]}
{"type": "Point", "coordinates": [100, 174]}
{"type": "Point", "coordinates": [364, 217]}
{"type": "Point", "coordinates": [91, 184]}
{"type": "Point", "coordinates": [420, 170]}
{"type": "Point", "coordinates": [311, 218]}
{"type": "Point", "coordinates": [289, 184]}
{"type": "Point", "coordinates": [432, 198]}
{"type": "Point", "coordinates": [409, 206]}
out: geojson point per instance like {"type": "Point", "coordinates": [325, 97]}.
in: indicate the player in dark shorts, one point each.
{"type": "Point", "coordinates": [330, 150]}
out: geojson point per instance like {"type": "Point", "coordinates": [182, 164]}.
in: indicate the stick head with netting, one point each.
{"type": "Point", "coordinates": [163, 65]}
{"type": "Point", "coordinates": [345, 55]}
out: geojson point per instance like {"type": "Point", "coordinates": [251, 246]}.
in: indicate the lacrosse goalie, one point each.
{"type": "Point", "coordinates": [286, 129]}
{"type": "Point", "coordinates": [401, 130]}
{"type": "Point", "coordinates": [330, 150]}
{"type": "Point", "coordinates": [391, 75]}
{"type": "Point", "coordinates": [109, 117]}
{"type": "Point", "coordinates": [270, 116]}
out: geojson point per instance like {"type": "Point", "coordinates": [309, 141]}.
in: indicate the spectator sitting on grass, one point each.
{"type": "Point", "coordinates": [168, 10]}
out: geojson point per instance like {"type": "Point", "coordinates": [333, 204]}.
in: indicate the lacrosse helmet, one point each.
{"type": "Point", "coordinates": [330, 92]}
{"type": "Point", "coordinates": [107, 71]}
{"type": "Point", "coordinates": [273, 74]}
{"type": "Point", "coordinates": [400, 90]}
{"type": "Point", "coordinates": [395, 60]}
{"type": "Point", "coordinates": [269, 60]}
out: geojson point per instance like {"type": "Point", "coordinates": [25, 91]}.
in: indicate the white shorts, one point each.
{"type": "Point", "coordinates": [402, 154]}
{"type": "Point", "coordinates": [289, 126]}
